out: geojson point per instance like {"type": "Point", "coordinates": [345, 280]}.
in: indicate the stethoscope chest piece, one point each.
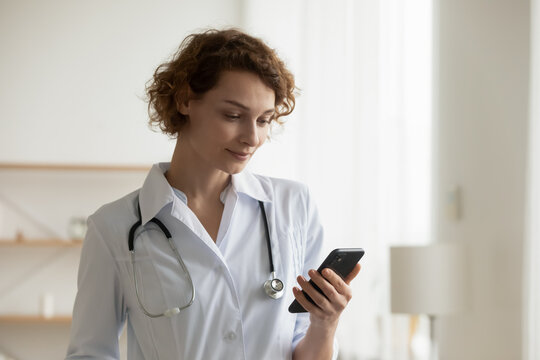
{"type": "Point", "coordinates": [274, 287]}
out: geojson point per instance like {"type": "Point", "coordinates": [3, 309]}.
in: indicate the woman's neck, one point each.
{"type": "Point", "coordinates": [191, 176]}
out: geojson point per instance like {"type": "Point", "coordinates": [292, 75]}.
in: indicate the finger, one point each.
{"type": "Point", "coordinates": [327, 287]}
{"type": "Point", "coordinates": [320, 300]}
{"type": "Point", "coordinates": [338, 284]}
{"type": "Point", "coordinates": [353, 273]}
{"type": "Point", "coordinates": [306, 304]}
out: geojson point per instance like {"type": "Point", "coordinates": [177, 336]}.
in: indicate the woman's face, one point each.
{"type": "Point", "coordinates": [230, 122]}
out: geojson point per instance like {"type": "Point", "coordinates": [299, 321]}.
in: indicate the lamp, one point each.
{"type": "Point", "coordinates": [427, 280]}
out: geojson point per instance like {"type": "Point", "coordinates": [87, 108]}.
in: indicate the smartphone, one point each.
{"type": "Point", "coordinates": [342, 261]}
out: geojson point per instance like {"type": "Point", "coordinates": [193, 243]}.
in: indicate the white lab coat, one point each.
{"type": "Point", "coordinates": [231, 317]}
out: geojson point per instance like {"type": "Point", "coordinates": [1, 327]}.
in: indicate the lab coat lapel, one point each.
{"type": "Point", "coordinates": [183, 213]}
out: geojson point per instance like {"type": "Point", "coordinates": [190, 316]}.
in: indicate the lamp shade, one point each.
{"type": "Point", "coordinates": [427, 279]}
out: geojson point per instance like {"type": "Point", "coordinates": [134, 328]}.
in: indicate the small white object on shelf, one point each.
{"type": "Point", "coordinates": [77, 228]}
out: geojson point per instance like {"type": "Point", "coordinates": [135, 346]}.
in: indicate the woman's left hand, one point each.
{"type": "Point", "coordinates": [326, 310]}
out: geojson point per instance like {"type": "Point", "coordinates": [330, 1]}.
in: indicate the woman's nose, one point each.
{"type": "Point", "coordinates": [250, 133]}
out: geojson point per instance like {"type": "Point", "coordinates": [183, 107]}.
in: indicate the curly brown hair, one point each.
{"type": "Point", "coordinates": [197, 65]}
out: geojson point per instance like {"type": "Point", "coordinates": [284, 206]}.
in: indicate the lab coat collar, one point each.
{"type": "Point", "coordinates": [156, 191]}
{"type": "Point", "coordinates": [247, 183]}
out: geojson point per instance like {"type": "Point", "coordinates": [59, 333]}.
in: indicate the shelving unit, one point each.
{"type": "Point", "coordinates": [33, 319]}
{"type": "Point", "coordinates": [26, 247]}
{"type": "Point", "coordinates": [72, 167]}
{"type": "Point", "coordinates": [47, 242]}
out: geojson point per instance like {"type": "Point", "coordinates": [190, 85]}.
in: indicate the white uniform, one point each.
{"type": "Point", "coordinates": [231, 317]}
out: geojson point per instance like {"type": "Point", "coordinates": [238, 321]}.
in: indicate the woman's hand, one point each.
{"type": "Point", "coordinates": [338, 293]}
{"type": "Point", "coordinates": [324, 316]}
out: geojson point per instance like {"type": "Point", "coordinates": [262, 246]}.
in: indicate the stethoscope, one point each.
{"type": "Point", "coordinates": [273, 287]}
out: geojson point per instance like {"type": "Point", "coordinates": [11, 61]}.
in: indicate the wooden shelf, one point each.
{"type": "Point", "coordinates": [26, 319]}
{"type": "Point", "coordinates": [40, 243]}
{"type": "Point", "coordinates": [73, 167]}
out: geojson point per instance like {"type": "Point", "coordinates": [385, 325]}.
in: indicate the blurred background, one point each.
{"type": "Point", "coordinates": [417, 125]}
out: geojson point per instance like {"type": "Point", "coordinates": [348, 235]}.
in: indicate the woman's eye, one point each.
{"type": "Point", "coordinates": [263, 122]}
{"type": "Point", "coordinates": [232, 116]}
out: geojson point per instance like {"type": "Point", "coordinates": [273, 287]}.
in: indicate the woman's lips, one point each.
{"type": "Point", "coordinates": [239, 155]}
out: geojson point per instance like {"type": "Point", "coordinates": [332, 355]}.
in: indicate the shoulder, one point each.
{"type": "Point", "coordinates": [283, 189]}
{"type": "Point", "coordinates": [290, 199]}
{"type": "Point", "coordinates": [280, 184]}
{"type": "Point", "coordinates": [116, 217]}
{"type": "Point", "coordinates": [267, 188]}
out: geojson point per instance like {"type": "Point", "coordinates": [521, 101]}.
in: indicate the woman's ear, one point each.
{"type": "Point", "coordinates": [182, 101]}
{"type": "Point", "coordinates": [183, 108]}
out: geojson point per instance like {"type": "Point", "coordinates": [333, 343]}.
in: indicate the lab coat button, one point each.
{"type": "Point", "coordinates": [231, 336]}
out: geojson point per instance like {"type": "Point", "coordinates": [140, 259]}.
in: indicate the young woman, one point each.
{"type": "Point", "coordinates": [201, 261]}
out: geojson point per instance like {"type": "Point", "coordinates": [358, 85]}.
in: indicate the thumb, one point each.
{"type": "Point", "coordinates": [353, 273]}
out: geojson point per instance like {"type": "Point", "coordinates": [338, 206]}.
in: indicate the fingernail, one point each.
{"type": "Point", "coordinates": [311, 272]}
{"type": "Point", "coordinates": [326, 272]}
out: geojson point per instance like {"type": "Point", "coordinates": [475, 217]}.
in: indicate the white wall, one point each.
{"type": "Point", "coordinates": [481, 142]}
{"type": "Point", "coordinates": [73, 75]}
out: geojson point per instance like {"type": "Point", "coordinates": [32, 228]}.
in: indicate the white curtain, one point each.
{"type": "Point", "coordinates": [360, 136]}
{"type": "Point", "coordinates": [531, 308]}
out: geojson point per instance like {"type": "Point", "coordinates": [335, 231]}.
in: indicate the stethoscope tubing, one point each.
{"type": "Point", "coordinates": [182, 265]}
{"type": "Point", "coordinates": [275, 292]}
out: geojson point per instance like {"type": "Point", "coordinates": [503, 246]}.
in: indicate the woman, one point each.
{"type": "Point", "coordinates": [200, 296]}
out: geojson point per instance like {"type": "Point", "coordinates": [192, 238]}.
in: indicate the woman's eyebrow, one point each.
{"type": "Point", "coordinates": [244, 107]}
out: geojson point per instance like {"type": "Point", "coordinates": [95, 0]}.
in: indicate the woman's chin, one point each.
{"type": "Point", "coordinates": [235, 169]}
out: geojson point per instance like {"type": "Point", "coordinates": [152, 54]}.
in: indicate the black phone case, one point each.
{"type": "Point", "coordinates": [342, 261]}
